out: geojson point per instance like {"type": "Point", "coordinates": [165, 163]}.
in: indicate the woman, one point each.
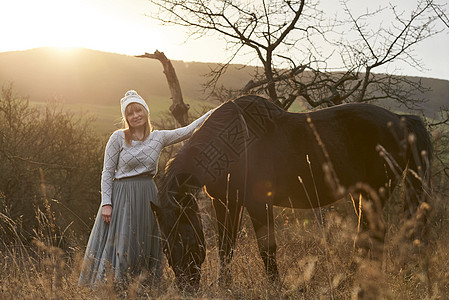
{"type": "Point", "coordinates": [125, 236]}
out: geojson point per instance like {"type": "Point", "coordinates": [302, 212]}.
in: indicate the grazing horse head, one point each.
{"type": "Point", "coordinates": [181, 229]}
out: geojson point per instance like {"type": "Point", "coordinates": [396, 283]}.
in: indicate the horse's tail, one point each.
{"type": "Point", "coordinates": [419, 153]}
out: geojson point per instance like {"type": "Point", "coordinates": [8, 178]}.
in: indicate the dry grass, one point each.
{"type": "Point", "coordinates": [315, 261]}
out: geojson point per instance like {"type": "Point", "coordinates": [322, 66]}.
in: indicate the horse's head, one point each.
{"type": "Point", "coordinates": [181, 229]}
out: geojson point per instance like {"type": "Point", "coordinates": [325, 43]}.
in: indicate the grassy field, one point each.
{"type": "Point", "coordinates": [316, 262]}
{"type": "Point", "coordinates": [107, 118]}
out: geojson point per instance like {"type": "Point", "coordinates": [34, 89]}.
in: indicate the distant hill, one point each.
{"type": "Point", "coordinates": [438, 96]}
{"type": "Point", "coordinates": [94, 81]}
{"type": "Point", "coordinates": [95, 77]}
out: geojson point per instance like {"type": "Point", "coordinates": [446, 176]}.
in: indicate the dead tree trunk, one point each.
{"type": "Point", "coordinates": [178, 108]}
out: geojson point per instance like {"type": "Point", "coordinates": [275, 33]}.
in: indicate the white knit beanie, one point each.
{"type": "Point", "coordinates": [131, 96]}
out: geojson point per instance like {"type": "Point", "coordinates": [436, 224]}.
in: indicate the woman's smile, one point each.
{"type": "Point", "coordinates": [136, 118]}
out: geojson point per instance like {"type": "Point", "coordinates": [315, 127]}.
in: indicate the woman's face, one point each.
{"type": "Point", "coordinates": [136, 115]}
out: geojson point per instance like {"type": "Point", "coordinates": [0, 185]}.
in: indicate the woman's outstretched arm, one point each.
{"type": "Point", "coordinates": [180, 134]}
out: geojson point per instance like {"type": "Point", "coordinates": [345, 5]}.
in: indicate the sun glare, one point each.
{"type": "Point", "coordinates": [73, 25]}
{"type": "Point", "coordinates": [77, 23]}
{"type": "Point", "coordinates": [118, 26]}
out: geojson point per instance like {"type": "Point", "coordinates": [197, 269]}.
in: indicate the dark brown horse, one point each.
{"type": "Point", "coordinates": [250, 153]}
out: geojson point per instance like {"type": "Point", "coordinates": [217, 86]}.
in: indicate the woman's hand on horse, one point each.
{"type": "Point", "coordinates": [106, 213]}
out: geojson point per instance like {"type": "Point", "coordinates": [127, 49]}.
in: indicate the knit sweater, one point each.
{"type": "Point", "coordinates": [122, 160]}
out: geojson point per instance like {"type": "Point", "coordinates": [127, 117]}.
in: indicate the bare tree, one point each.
{"type": "Point", "coordinates": [178, 108]}
{"type": "Point", "coordinates": [293, 42]}
{"type": "Point", "coordinates": [263, 28]}
{"type": "Point", "coordinates": [440, 11]}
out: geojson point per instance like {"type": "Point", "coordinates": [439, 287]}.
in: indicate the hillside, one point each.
{"type": "Point", "coordinates": [95, 77]}
{"type": "Point", "coordinates": [93, 81]}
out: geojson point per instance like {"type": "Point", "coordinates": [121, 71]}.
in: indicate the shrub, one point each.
{"type": "Point", "coordinates": [50, 170]}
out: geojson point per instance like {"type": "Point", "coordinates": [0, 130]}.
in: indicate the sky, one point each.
{"type": "Point", "coordinates": [123, 26]}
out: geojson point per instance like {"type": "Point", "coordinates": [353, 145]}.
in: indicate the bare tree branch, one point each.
{"type": "Point", "coordinates": [178, 108]}
{"type": "Point", "coordinates": [294, 43]}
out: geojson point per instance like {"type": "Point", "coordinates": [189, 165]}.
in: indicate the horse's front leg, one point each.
{"type": "Point", "coordinates": [262, 219]}
{"type": "Point", "coordinates": [228, 220]}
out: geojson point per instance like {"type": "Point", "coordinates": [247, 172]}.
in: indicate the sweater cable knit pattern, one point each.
{"type": "Point", "coordinates": [121, 160]}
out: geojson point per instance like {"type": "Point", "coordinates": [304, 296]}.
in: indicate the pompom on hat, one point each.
{"type": "Point", "coordinates": [131, 96]}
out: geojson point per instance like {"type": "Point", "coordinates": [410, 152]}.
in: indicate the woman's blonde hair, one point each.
{"type": "Point", "coordinates": [128, 134]}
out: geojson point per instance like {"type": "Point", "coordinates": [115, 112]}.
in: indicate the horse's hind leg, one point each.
{"type": "Point", "coordinates": [262, 219]}
{"type": "Point", "coordinates": [228, 220]}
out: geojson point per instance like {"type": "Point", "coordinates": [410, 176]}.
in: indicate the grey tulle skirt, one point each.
{"type": "Point", "coordinates": [130, 244]}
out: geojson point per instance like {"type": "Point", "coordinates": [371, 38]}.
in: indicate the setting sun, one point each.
{"type": "Point", "coordinates": [72, 23]}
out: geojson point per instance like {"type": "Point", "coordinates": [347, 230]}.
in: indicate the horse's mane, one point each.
{"type": "Point", "coordinates": [240, 109]}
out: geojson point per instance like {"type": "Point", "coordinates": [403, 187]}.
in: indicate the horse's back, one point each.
{"type": "Point", "coordinates": [275, 155]}
{"type": "Point", "coordinates": [343, 141]}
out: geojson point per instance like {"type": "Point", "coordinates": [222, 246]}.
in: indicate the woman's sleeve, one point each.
{"type": "Point", "coordinates": [111, 156]}
{"type": "Point", "coordinates": [180, 134]}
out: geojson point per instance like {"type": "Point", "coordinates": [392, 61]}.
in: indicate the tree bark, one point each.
{"type": "Point", "coordinates": [178, 108]}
